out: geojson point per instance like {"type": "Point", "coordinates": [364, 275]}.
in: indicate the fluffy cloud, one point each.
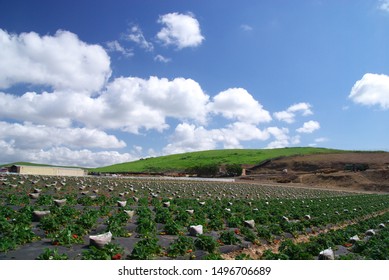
{"type": "Point", "coordinates": [61, 146]}
{"type": "Point", "coordinates": [281, 136]}
{"type": "Point", "coordinates": [309, 127]}
{"type": "Point", "coordinates": [188, 137]}
{"type": "Point", "coordinates": [135, 103]}
{"type": "Point", "coordinates": [42, 137]}
{"type": "Point", "coordinates": [62, 156]}
{"type": "Point", "coordinates": [181, 30]}
{"type": "Point", "coordinates": [289, 114]}
{"type": "Point", "coordinates": [67, 125]}
{"type": "Point", "coordinates": [60, 108]}
{"type": "Point", "coordinates": [129, 104]}
{"type": "Point", "coordinates": [237, 103]}
{"type": "Point", "coordinates": [61, 61]}
{"type": "Point", "coordinates": [372, 89]}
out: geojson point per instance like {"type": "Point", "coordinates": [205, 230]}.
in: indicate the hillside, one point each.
{"type": "Point", "coordinates": [181, 162]}
{"type": "Point", "coordinates": [328, 171]}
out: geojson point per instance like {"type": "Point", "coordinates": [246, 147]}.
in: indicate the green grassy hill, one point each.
{"type": "Point", "coordinates": [181, 162]}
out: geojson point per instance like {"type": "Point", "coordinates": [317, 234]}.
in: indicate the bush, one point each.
{"type": "Point", "coordinates": [204, 170]}
{"type": "Point", "coordinates": [233, 170]}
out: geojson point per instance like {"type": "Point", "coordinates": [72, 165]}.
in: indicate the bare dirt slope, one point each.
{"type": "Point", "coordinates": [328, 171]}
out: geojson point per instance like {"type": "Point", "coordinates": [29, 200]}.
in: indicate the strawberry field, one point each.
{"type": "Point", "coordinates": [60, 217]}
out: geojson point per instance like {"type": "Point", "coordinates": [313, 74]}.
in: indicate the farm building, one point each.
{"type": "Point", "coordinates": [46, 170]}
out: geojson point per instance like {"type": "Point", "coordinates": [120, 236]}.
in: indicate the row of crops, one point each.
{"type": "Point", "coordinates": [56, 218]}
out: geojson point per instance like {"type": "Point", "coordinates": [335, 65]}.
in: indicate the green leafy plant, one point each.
{"type": "Point", "coordinates": [146, 249]}
{"type": "Point", "coordinates": [108, 252]}
{"type": "Point", "coordinates": [229, 238]}
{"type": "Point", "coordinates": [243, 257]}
{"type": "Point", "coordinates": [213, 256]}
{"type": "Point", "coordinates": [52, 254]}
{"type": "Point", "coordinates": [67, 236]}
{"type": "Point", "coordinates": [183, 245]}
{"type": "Point", "coordinates": [162, 215]}
{"type": "Point", "coordinates": [207, 243]}
{"type": "Point", "coordinates": [172, 228]}
{"type": "Point", "coordinates": [116, 223]}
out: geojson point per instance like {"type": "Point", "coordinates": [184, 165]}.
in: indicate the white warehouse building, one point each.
{"type": "Point", "coordinates": [46, 170]}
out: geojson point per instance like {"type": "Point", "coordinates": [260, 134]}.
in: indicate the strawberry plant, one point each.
{"type": "Point", "coordinates": [52, 254]}
{"type": "Point", "coordinates": [108, 252]}
{"type": "Point", "coordinates": [243, 256]}
{"type": "Point", "coordinates": [45, 200]}
{"type": "Point", "coordinates": [229, 238]}
{"type": "Point", "coordinates": [216, 224]}
{"type": "Point", "coordinates": [207, 243]}
{"type": "Point", "coordinates": [50, 223]}
{"type": "Point", "coordinates": [88, 219]}
{"type": "Point", "coordinates": [172, 228]}
{"type": "Point", "coordinates": [234, 221]}
{"type": "Point", "coordinates": [162, 215]}
{"type": "Point", "coordinates": [183, 218]}
{"type": "Point", "coordinates": [182, 246]}
{"type": "Point", "coordinates": [14, 232]}
{"type": "Point", "coordinates": [213, 256]}
{"type": "Point", "coordinates": [249, 234]}
{"type": "Point", "coordinates": [116, 223]}
{"type": "Point", "coordinates": [67, 236]}
{"type": "Point", "coordinates": [146, 249]}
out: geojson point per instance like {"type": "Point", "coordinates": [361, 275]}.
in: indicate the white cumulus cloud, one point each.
{"type": "Point", "coordinates": [128, 103]}
{"type": "Point", "coordinates": [133, 103]}
{"type": "Point", "coordinates": [309, 127]}
{"type": "Point", "coordinates": [188, 137]}
{"type": "Point", "coordinates": [68, 123]}
{"type": "Point", "coordinates": [372, 89]}
{"type": "Point", "coordinates": [62, 156]}
{"type": "Point", "coordinates": [237, 103]}
{"type": "Point", "coordinates": [61, 61]}
{"type": "Point", "coordinates": [281, 137]}
{"type": "Point", "coordinates": [180, 30]}
{"type": "Point", "coordinates": [289, 115]}
{"type": "Point", "coordinates": [32, 136]}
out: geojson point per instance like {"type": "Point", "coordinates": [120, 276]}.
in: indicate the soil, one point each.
{"type": "Point", "coordinates": [326, 171]}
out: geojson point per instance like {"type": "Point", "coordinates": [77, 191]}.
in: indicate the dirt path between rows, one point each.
{"type": "Point", "coordinates": [256, 251]}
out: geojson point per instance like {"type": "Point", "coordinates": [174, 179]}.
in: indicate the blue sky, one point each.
{"type": "Point", "coordinates": [94, 83]}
